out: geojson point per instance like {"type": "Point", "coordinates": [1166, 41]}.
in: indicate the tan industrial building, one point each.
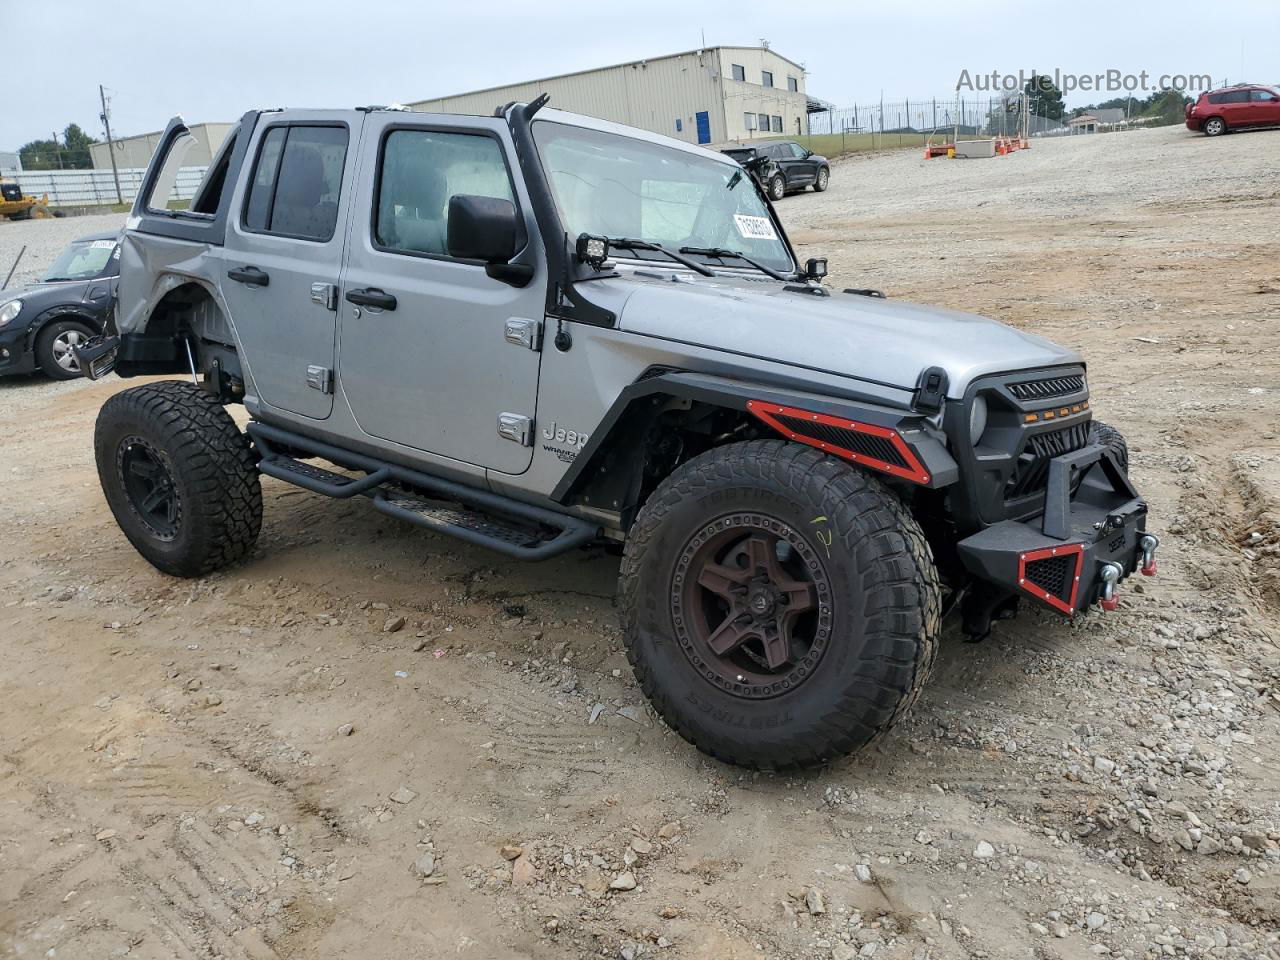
{"type": "Point", "coordinates": [709, 96]}
{"type": "Point", "coordinates": [705, 96]}
{"type": "Point", "coordinates": [133, 152]}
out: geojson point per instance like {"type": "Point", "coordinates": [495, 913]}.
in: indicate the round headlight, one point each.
{"type": "Point", "coordinates": [977, 419]}
{"type": "Point", "coordinates": [9, 311]}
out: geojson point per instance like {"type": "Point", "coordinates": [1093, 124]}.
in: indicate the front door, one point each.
{"type": "Point", "coordinates": [437, 355]}
{"type": "Point", "coordinates": [794, 160]}
{"type": "Point", "coordinates": [1263, 108]}
{"type": "Point", "coordinates": [283, 254]}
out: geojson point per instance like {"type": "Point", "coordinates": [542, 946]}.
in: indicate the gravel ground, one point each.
{"type": "Point", "coordinates": [368, 741]}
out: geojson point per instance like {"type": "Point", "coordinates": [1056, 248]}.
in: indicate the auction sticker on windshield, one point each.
{"type": "Point", "coordinates": [754, 228]}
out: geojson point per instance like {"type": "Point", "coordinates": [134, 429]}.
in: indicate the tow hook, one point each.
{"type": "Point", "coordinates": [1109, 575]}
{"type": "Point", "coordinates": [1148, 545]}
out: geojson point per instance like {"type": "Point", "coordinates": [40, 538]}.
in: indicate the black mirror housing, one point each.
{"type": "Point", "coordinates": [482, 228]}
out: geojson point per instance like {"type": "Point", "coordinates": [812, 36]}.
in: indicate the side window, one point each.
{"type": "Point", "coordinates": [764, 121]}
{"type": "Point", "coordinates": [777, 124]}
{"type": "Point", "coordinates": [1236, 96]}
{"type": "Point", "coordinates": [766, 78]}
{"type": "Point", "coordinates": [749, 121]}
{"type": "Point", "coordinates": [793, 84]}
{"type": "Point", "coordinates": [420, 171]}
{"type": "Point", "coordinates": [739, 71]}
{"type": "Point", "coordinates": [209, 193]}
{"type": "Point", "coordinates": [164, 191]}
{"type": "Point", "coordinates": [297, 180]}
{"type": "Point", "coordinates": [1264, 96]}
{"type": "Point", "coordinates": [1217, 98]}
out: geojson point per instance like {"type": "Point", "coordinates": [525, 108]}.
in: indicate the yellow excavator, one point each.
{"type": "Point", "coordinates": [16, 206]}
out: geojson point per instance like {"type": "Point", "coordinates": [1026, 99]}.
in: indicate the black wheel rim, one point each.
{"type": "Point", "coordinates": [149, 487]}
{"type": "Point", "coordinates": [751, 605]}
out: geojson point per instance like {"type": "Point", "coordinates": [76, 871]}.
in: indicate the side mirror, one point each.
{"type": "Point", "coordinates": [481, 228]}
{"type": "Point", "coordinates": [487, 229]}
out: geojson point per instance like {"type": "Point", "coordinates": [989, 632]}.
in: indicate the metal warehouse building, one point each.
{"type": "Point", "coordinates": [706, 96]}
{"type": "Point", "coordinates": [133, 152]}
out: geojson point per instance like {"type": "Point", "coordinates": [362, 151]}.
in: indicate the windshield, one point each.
{"type": "Point", "coordinates": [616, 186]}
{"type": "Point", "coordinates": [82, 260]}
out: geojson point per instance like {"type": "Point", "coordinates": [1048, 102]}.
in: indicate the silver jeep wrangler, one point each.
{"type": "Point", "coordinates": [535, 331]}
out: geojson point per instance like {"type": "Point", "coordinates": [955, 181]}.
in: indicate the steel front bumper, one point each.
{"type": "Point", "coordinates": [1085, 543]}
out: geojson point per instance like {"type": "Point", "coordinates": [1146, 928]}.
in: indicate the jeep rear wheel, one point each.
{"type": "Point", "coordinates": [781, 608]}
{"type": "Point", "coordinates": [179, 477]}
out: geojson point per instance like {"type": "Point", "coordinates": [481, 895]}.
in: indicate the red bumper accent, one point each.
{"type": "Point", "coordinates": [1110, 605]}
{"type": "Point", "coordinates": [1150, 569]}
{"type": "Point", "coordinates": [1067, 606]}
{"type": "Point", "coordinates": [913, 471]}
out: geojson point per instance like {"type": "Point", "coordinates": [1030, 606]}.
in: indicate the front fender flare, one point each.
{"type": "Point", "coordinates": [925, 442]}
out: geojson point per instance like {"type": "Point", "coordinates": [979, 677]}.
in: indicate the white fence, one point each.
{"type": "Point", "coordinates": [88, 188]}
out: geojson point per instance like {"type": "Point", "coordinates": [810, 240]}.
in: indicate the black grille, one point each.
{"type": "Point", "coordinates": [1048, 389]}
{"type": "Point", "coordinates": [1032, 473]}
{"type": "Point", "coordinates": [1053, 575]}
{"type": "Point", "coordinates": [877, 448]}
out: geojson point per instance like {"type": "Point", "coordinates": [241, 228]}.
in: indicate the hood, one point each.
{"type": "Point", "coordinates": [47, 294]}
{"type": "Point", "coordinates": [881, 341]}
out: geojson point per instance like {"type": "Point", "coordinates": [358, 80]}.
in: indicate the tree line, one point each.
{"type": "Point", "coordinates": [70, 153]}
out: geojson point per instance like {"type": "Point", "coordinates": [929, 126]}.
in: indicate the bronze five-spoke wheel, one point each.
{"type": "Point", "coordinates": [751, 605]}
{"type": "Point", "coordinates": [781, 607]}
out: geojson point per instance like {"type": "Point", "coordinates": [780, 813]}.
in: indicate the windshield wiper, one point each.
{"type": "Point", "coordinates": [658, 248]}
{"type": "Point", "coordinates": [735, 255]}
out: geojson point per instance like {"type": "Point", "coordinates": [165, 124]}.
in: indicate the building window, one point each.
{"type": "Point", "coordinates": [793, 84]}
{"type": "Point", "coordinates": [766, 78]}
{"type": "Point", "coordinates": [749, 120]}
{"type": "Point", "coordinates": [739, 71]}
{"type": "Point", "coordinates": [777, 125]}
{"type": "Point", "coordinates": [764, 122]}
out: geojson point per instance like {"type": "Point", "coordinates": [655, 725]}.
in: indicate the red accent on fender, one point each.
{"type": "Point", "coordinates": [913, 471]}
{"type": "Point", "coordinates": [1150, 569]}
{"type": "Point", "coordinates": [1068, 549]}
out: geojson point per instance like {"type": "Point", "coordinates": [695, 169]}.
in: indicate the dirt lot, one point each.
{"type": "Point", "coordinates": [266, 763]}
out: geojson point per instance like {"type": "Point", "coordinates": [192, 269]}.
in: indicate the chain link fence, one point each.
{"type": "Point", "coordinates": [888, 125]}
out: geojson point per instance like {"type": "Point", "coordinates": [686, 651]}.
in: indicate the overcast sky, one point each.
{"type": "Point", "coordinates": [213, 60]}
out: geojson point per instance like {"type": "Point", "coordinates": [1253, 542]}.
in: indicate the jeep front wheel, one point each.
{"type": "Point", "coordinates": [179, 476]}
{"type": "Point", "coordinates": [781, 608]}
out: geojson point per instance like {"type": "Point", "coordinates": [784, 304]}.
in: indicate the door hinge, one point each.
{"type": "Point", "coordinates": [320, 378]}
{"type": "Point", "coordinates": [517, 427]}
{"type": "Point", "coordinates": [523, 333]}
{"type": "Point", "coordinates": [325, 294]}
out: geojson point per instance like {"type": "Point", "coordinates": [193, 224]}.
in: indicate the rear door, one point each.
{"type": "Point", "coordinates": [283, 254]}
{"type": "Point", "coordinates": [449, 363]}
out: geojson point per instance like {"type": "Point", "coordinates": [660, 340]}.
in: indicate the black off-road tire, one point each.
{"type": "Point", "coordinates": [1113, 440]}
{"type": "Point", "coordinates": [777, 187]}
{"type": "Point", "coordinates": [205, 459]}
{"type": "Point", "coordinates": [884, 613]}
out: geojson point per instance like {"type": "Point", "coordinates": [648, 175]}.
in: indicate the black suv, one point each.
{"type": "Point", "coordinates": [40, 325]}
{"type": "Point", "coordinates": [783, 166]}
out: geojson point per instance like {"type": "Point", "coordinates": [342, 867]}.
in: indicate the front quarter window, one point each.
{"type": "Point", "coordinates": [612, 185]}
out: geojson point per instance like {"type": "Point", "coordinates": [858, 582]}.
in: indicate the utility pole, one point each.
{"type": "Point", "coordinates": [111, 149]}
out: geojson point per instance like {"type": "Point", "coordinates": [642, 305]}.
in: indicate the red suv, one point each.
{"type": "Point", "coordinates": [1233, 108]}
